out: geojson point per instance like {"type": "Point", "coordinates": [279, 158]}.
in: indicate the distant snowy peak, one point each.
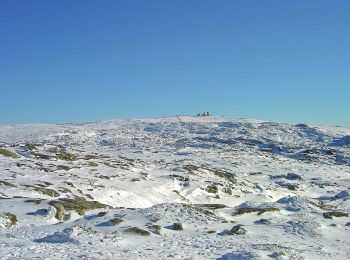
{"type": "Point", "coordinates": [186, 128]}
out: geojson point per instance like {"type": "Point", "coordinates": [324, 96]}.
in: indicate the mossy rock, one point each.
{"type": "Point", "coordinates": [291, 186]}
{"type": "Point", "coordinates": [137, 231]}
{"type": "Point", "coordinates": [177, 226]}
{"type": "Point", "coordinates": [63, 167]}
{"type": "Point", "coordinates": [110, 165]}
{"type": "Point", "coordinates": [102, 214]}
{"type": "Point", "coordinates": [211, 206]}
{"type": "Point", "coordinates": [93, 164]}
{"type": "Point", "coordinates": [260, 211]}
{"type": "Point", "coordinates": [154, 228]}
{"type": "Point", "coordinates": [212, 189]}
{"type": "Point", "coordinates": [8, 153]}
{"type": "Point", "coordinates": [104, 177]}
{"type": "Point", "coordinates": [319, 204]}
{"type": "Point", "coordinates": [229, 176]}
{"type": "Point", "coordinates": [336, 214]}
{"type": "Point", "coordinates": [7, 235]}
{"type": "Point", "coordinates": [129, 161]}
{"type": "Point", "coordinates": [90, 156]}
{"type": "Point", "coordinates": [64, 190]}
{"type": "Point", "coordinates": [228, 190]}
{"type": "Point", "coordinates": [66, 157]}
{"type": "Point", "coordinates": [12, 219]}
{"type": "Point", "coordinates": [116, 221]}
{"type": "Point", "coordinates": [48, 192]}
{"type": "Point", "coordinates": [35, 201]}
{"type": "Point", "coordinates": [53, 150]}
{"type": "Point", "coordinates": [59, 211]}
{"type": "Point", "coordinates": [191, 168]}
{"type": "Point", "coordinates": [41, 185]}
{"type": "Point", "coordinates": [30, 146]}
{"type": "Point", "coordinates": [78, 204]}
{"type": "Point", "coordinates": [8, 184]}
{"type": "Point", "coordinates": [89, 196]}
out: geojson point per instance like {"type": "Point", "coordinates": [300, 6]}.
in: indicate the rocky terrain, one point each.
{"type": "Point", "coordinates": [178, 187]}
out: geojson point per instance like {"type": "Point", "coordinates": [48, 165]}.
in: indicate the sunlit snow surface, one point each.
{"type": "Point", "coordinates": [156, 172]}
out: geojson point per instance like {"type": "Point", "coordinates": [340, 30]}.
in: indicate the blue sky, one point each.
{"type": "Point", "coordinates": [63, 61]}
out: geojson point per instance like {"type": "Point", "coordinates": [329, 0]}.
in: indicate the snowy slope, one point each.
{"type": "Point", "coordinates": [240, 188]}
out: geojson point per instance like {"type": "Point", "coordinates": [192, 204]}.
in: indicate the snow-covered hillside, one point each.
{"type": "Point", "coordinates": [178, 187]}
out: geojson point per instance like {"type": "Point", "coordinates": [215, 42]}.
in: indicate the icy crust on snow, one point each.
{"type": "Point", "coordinates": [179, 187]}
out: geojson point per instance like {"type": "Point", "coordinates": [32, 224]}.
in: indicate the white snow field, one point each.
{"type": "Point", "coordinates": [179, 187]}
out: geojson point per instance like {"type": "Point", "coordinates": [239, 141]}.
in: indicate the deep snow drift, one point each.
{"type": "Point", "coordinates": [179, 187]}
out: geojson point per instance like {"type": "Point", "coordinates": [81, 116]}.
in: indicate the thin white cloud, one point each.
{"type": "Point", "coordinates": [267, 60]}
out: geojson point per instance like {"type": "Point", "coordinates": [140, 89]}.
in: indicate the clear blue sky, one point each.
{"type": "Point", "coordinates": [63, 61]}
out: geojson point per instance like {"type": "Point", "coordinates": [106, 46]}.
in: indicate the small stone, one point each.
{"type": "Point", "coordinates": [237, 230]}
{"type": "Point", "coordinates": [332, 214]}
{"type": "Point", "coordinates": [263, 221]}
{"type": "Point", "coordinates": [116, 221]}
{"type": "Point", "coordinates": [177, 226]}
{"type": "Point", "coordinates": [102, 214]}
{"type": "Point", "coordinates": [293, 176]}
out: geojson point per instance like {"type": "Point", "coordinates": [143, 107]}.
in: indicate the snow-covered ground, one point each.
{"type": "Point", "coordinates": [124, 189]}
